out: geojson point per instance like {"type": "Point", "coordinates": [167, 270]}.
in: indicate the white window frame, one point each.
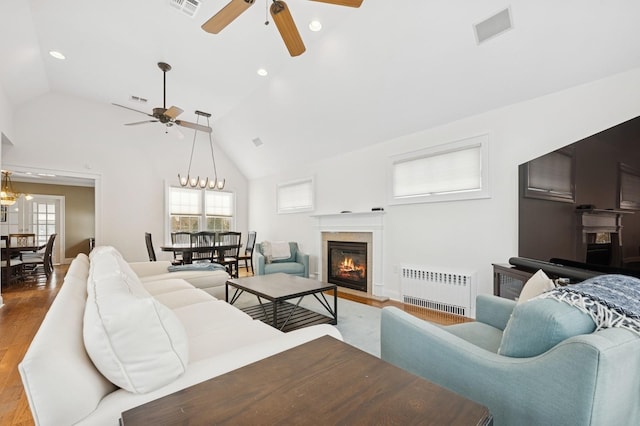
{"type": "Point", "coordinates": [281, 187]}
{"type": "Point", "coordinates": [203, 214]}
{"type": "Point", "coordinates": [481, 142]}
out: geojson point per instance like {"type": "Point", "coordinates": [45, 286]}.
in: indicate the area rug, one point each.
{"type": "Point", "coordinates": [359, 324]}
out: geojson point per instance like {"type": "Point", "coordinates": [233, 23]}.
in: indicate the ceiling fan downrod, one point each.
{"type": "Point", "coordinates": [164, 67]}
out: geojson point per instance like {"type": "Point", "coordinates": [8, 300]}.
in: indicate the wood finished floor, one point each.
{"type": "Point", "coordinates": [25, 305]}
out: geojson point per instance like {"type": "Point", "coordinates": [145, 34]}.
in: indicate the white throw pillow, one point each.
{"type": "Point", "coordinates": [133, 340]}
{"type": "Point", "coordinates": [267, 251]}
{"type": "Point", "coordinates": [535, 286]}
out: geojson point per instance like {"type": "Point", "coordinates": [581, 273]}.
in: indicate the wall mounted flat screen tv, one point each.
{"type": "Point", "coordinates": [581, 203]}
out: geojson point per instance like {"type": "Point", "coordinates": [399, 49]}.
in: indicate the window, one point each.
{"type": "Point", "coordinates": [193, 210]}
{"type": "Point", "coordinates": [551, 177]}
{"type": "Point", "coordinates": [629, 187]}
{"type": "Point", "coordinates": [454, 171]}
{"type": "Point", "coordinates": [294, 197]}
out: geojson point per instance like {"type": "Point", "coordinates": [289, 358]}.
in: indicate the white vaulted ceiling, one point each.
{"type": "Point", "coordinates": [386, 69]}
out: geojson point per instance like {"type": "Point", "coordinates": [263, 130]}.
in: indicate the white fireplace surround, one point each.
{"type": "Point", "coordinates": [372, 222]}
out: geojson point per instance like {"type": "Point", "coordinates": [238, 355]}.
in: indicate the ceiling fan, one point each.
{"type": "Point", "coordinates": [280, 14]}
{"type": "Point", "coordinates": [164, 115]}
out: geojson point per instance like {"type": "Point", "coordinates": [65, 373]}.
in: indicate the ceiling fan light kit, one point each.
{"type": "Point", "coordinates": [280, 14]}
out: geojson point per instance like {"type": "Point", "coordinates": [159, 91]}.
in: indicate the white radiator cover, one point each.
{"type": "Point", "coordinates": [439, 289]}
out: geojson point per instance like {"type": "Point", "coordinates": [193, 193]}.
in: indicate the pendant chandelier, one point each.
{"type": "Point", "coordinates": [8, 196]}
{"type": "Point", "coordinates": [205, 182]}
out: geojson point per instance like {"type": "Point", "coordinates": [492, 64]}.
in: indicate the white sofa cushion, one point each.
{"type": "Point", "coordinates": [166, 286]}
{"type": "Point", "coordinates": [133, 340]}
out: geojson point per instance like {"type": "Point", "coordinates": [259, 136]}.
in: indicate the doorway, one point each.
{"type": "Point", "coordinates": [46, 216]}
{"type": "Point", "coordinates": [41, 215]}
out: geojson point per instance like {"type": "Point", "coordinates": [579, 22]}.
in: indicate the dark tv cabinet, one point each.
{"type": "Point", "coordinates": [508, 281]}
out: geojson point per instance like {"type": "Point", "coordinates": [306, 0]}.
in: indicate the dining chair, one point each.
{"type": "Point", "coordinates": [248, 251]}
{"type": "Point", "coordinates": [204, 242]}
{"type": "Point", "coordinates": [33, 261]}
{"type": "Point", "coordinates": [150, 251]}
{"type": "Point", "coordinates": [22, 240]}
{"type": "Point", "coordinates": [182, 238]}
{"type": "Point", "coordinates": [229, 251]}
{"type": "Point", "coordinates": [12, 268]}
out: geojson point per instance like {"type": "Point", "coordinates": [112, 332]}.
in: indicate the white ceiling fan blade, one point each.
{"type": "Point", "coordinates": [141, 122]}
{"type": "Point", "coordinates": [132, 109]}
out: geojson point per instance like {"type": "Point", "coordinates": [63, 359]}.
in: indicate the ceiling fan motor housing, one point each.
{"type": "Point", "coordinates": [159, 114]}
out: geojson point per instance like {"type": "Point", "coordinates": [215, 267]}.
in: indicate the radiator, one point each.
{"type": "Point", "coordinates": [448, 291]}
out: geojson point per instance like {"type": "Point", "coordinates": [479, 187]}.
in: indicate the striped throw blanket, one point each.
{"type": "Point", "coordinates": [611, 300]}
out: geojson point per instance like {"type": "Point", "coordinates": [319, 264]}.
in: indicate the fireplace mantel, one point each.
{"type": "Point", "coordinates": [372, 222]}
{"type": "Point", "coordinates": [349, 220]}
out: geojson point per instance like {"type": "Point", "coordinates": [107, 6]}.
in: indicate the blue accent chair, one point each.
{"type": "Point", "coordinates": [297, 264]}
{"type": "Point", "coordinates": [557, 370]}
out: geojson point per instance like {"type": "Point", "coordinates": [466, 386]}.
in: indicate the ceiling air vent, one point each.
{"type": "Point", "coordinates": [188, 7]}
{"type": "Point", "coordinates": [135, 98]}
{"type": "Point", "coordinates": [493, 26]}
{"type": "Point", "coordinates": [257, 142]}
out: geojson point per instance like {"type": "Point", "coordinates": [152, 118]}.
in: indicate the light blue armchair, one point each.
{"type": "Point", "coordinates": [297, 264]}
{"type": "Point", "coordinates": [558, 372]}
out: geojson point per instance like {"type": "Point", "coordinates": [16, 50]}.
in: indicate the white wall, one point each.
{"type": "Point", "coordinates": [463, 234]}
{"type": "Point", "coordinates": [133, 163]}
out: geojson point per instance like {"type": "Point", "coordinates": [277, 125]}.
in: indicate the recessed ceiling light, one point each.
{"type": "Point", "coordinates": [315, 26]}
{"type": "Point", "coordinates": [56, 54]}
{"type": "Point", "coordinates": [262, 72]}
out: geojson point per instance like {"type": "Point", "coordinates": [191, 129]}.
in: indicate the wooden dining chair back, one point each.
{"type": "Point", "coordinates": [247, 257]}
{"type": "Point", "coordinates": [229, 248]}
{"type": "Point", "coordinates": [205, 242]}
{"type": "Point", "coordinates": [149, 243]}
{"type": "Point", "coordinates": [180, 238]}
{"type": "Point", "coordinates": [48, 255]}
{"type": "Point", "coordinates": [22, 240]}
{"type": "Point", "coordinates": [12, 268]}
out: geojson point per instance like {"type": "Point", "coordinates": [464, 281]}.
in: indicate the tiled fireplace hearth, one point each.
{"type": "Point", "coordinates": [367, 228]}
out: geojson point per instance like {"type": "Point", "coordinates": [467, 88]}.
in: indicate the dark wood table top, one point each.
{"type": "Point", "coordinates": [322, 382]}
{"type": "Point", "coordinates": [280, 286]}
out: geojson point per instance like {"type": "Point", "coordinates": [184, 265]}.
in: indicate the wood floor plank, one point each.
{"type": "Point", "coordinates": [25, 305]}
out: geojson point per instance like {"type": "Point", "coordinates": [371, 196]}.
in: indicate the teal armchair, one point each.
{"type": "Point", "coordinates": [297, 264]}
{"type": "Point", "coordinates": [557, 370]}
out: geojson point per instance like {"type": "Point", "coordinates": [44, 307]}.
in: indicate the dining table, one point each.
{"type": "Point", "coordinates": [187, 250]}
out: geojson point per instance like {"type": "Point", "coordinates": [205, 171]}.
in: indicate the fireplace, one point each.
{"type": "Point", "coordinates": [347, 264]}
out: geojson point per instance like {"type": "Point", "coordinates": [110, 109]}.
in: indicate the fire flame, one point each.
{"type": "Point", "coordinates": [347, 266]}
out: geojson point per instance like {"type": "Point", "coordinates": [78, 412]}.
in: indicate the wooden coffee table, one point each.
{"type": "Point", "coordinates": [322, 382]}
{"type": "Point", "coordinates": [273, 291]}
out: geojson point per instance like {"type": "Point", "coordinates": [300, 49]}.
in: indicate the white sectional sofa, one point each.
{"type": "Point", "coordinates": [202, 276]}
{"type": "Point", "coordinates": [112, 341]}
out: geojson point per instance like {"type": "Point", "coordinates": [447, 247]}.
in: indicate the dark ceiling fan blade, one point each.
{"type": "Point", "coordinates": [287, 28]}
{"type": "Point", "coordinates": [198, 127]}
{"type": "Point", "coordinates": [349, 3]}
{"type": "Point", "coordinates": [136, 110]}
{"type": "Point", "coordinates": [141, 122]}
{"type": "Point", "coordinates": [226, 15]}
{"type": "Point", "coordinates": [173, 112]}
